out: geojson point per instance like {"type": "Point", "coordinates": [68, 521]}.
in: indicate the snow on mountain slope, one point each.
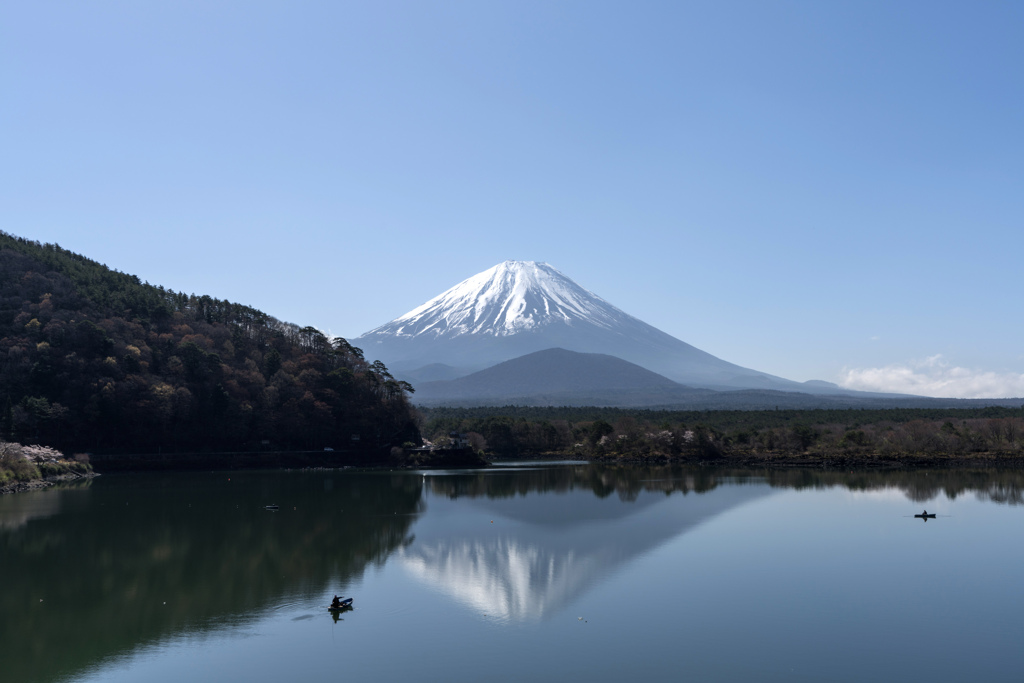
{"type": "Point", "coordinates": [509, 298]}
{"type": "Point", "coordinates": [519, 307]}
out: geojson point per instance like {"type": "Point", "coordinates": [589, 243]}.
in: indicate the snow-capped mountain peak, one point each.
{"type": "Point", "coordinates": [520, 307]}
{"type": "Point", "coordinates": [510, 298]}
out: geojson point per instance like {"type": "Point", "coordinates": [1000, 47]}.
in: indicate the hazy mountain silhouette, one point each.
{"type": "Point", "coordinates": [557, 377]}
{"type": "Point", "coordinates": [560, 377]}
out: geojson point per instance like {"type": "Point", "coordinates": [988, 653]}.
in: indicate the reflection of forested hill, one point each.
{"type": "Point", "coordinates": [95, 359]}
{"type": "Point", "coordinates": [181, 554]}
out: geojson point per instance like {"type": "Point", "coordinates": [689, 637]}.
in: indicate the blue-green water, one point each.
{"type": "Point", "coordinates": [572, 572]}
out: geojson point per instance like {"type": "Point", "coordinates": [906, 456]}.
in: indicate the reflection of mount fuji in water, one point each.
{"type": "Point", "coordinates": [198, 555]}
{"type": "Point", "coordinates": [541, 553]}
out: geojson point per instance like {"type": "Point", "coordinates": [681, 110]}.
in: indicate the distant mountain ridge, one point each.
{"type": "Point", "coordinates": [559, 377]}
{"type": "Point", "coordinates": [520, 307]}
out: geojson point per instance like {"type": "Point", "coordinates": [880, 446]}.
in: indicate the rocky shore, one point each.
{"type": "Point", "coordinates": [36, 484]}
{"type": "Point", "coordinates": [24, 468]}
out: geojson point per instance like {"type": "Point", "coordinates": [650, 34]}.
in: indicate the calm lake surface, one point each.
{"type": "Point", "coordinates": [551, 573]}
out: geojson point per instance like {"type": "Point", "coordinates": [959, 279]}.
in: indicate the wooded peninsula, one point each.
{"type": "Point", "coordinates": [94, 360]}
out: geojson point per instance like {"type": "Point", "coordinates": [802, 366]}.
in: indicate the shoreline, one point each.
{"type": "Point", "coordinates": [760, 461]}
{"type": "Point", "coordinates": [244, 460]}
{"type": "Point", "coordinates": [45, 482]}
{"type": "Point", "coordinates": [862, 461]}
{"type": "Point", "coordinates": [834, 462]}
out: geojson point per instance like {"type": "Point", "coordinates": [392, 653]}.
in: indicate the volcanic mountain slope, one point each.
{"type": "Point", "coordinates": [559, 377]}
{"type": "Point", "coordinates": [519, 307]}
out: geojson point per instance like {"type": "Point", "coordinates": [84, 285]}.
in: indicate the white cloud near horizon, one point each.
{"type": "Point", "coordinates": [934, 376]}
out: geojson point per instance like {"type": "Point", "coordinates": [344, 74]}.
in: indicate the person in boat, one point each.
{"type": "Point", "coordinates": [336, 603]}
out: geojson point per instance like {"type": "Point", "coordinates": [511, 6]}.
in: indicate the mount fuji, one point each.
{"type": "Point", "coordinates": [520, 307]}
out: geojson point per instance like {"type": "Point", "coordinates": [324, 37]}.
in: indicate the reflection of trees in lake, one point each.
{"type": "Point", "coordinates": [999, 486]}
{"type": "Point", "coordinates": [18, 510]}
{"type": "Point", "coordinates": [185, 554]}
{"type": "Point", "coordinates": [998, 493]}
{"type": "Point", "coordinates": [603, 480]}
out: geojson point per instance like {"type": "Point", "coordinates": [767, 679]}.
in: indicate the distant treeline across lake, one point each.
{"type": "Point", "coordinates": [612, 433]}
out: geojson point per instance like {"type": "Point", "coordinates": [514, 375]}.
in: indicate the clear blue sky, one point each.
{"type": "Point", "coordinates": [829, 190]}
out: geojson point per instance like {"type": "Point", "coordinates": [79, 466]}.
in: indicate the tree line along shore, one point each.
{"type": "Point", "coordinates": [838, 438]}
{"type": "Point", "coordinates": [833, 439]}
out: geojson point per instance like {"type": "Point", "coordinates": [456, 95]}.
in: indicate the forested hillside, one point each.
{"type": "Point", "coordinates": [92, 359]}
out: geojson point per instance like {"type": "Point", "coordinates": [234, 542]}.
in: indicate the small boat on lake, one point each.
{"type": "Point", "coordinates": [925, 515]}
{"type": "Point", "coordinates": [340, 606]}
{"type": "Point", "coordinates": [271, 507]}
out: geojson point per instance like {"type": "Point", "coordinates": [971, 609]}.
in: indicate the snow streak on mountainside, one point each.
{"type": "Point", "coordinates": [509, 298]}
